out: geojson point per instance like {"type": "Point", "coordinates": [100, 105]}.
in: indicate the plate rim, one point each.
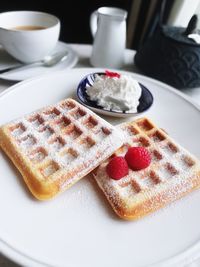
{"type": "Point", "coordinates": [186, 256]}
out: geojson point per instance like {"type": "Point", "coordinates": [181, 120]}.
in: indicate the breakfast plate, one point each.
{"type": "Point", "coordinates": [78, 228]}
{"type": "Point", "coordinates": [6, 61]}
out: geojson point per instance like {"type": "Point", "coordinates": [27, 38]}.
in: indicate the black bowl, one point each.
{"type": "Point", "coordinates": [145, 101]}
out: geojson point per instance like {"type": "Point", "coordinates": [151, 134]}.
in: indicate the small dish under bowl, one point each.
{"type": "Point", "coordinates": [145, 101]}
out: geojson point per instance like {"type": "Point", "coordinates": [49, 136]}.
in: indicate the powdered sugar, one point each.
{"type": "Point", "coordinates": [62, 142]}
{"type": "Point", "coordinates": [167, 178]}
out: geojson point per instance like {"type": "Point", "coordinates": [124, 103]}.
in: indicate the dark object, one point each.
{"type": "Point", "coordinates": [192, 25]}
{"type": "Point", "coordinates": [172, 57]}
{"type": "Point", "coordinates": [145, 101]}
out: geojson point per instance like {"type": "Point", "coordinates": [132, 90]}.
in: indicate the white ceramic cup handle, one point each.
{"type": "Point", "coordinates": [93, 22]}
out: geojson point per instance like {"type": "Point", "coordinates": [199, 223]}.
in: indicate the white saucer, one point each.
{"type": "Point", "coordinates": [7, 61]}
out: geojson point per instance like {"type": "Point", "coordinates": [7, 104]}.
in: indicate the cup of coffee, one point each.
{"type": "Point", "coordinates": [28, 36]}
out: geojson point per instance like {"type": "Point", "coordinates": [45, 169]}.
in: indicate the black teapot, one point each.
{"type": "Point", "coordinates": [172, 57]}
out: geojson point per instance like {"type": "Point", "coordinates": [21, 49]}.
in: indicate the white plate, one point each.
{"type": "Point", "coordinates": [7, 61]}
{"type": "Point", "coordinates": [79, 228]}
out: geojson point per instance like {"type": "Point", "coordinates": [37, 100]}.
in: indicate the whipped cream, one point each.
{"type": "Point", "coordinates": [115, 93]}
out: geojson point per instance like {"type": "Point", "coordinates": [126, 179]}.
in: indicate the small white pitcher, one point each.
{"type": "Point", "coordinates": [108, 27]}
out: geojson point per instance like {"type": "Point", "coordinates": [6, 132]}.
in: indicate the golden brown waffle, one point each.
{"type": "Point", "coordinates": [58, 145]}
{"type": "Point", "coordinates": [173, 173]}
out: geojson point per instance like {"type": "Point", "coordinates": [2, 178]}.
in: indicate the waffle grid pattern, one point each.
{"type": "Point", "coordinates": [54, 138]}
{"type": "Point", "coordinates": [168, 160]}
{"type": "Point", "coordinates": [66, 138]}
{"type": "Point", "coordinates": [170, 163]}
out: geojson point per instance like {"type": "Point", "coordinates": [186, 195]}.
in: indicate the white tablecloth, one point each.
{"type": "Point", "coordinates": [84, 52]}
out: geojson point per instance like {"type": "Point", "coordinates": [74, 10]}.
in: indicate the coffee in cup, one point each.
{"type": "Point", "coordinates": [28, 28]}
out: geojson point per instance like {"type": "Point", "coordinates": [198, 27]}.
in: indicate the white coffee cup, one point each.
{"type": "Point", "coordinates": [28, 35]}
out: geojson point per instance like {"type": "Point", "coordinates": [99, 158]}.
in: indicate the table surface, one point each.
{"type": "Point", "coordinates": [84, 52]}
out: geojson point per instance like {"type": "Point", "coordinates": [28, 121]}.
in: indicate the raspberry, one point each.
{"type": "Point", "coordinates": [117, 168]}
{"type": "Point", "coordinates": [138, 158]}
{"type": "Point", "coordinates": [112, 74]}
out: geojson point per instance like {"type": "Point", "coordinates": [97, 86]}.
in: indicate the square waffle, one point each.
{"type": "Point", "coordinates": [173, 173]}
{"type": "Point", "coordinates": [56, 146]}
